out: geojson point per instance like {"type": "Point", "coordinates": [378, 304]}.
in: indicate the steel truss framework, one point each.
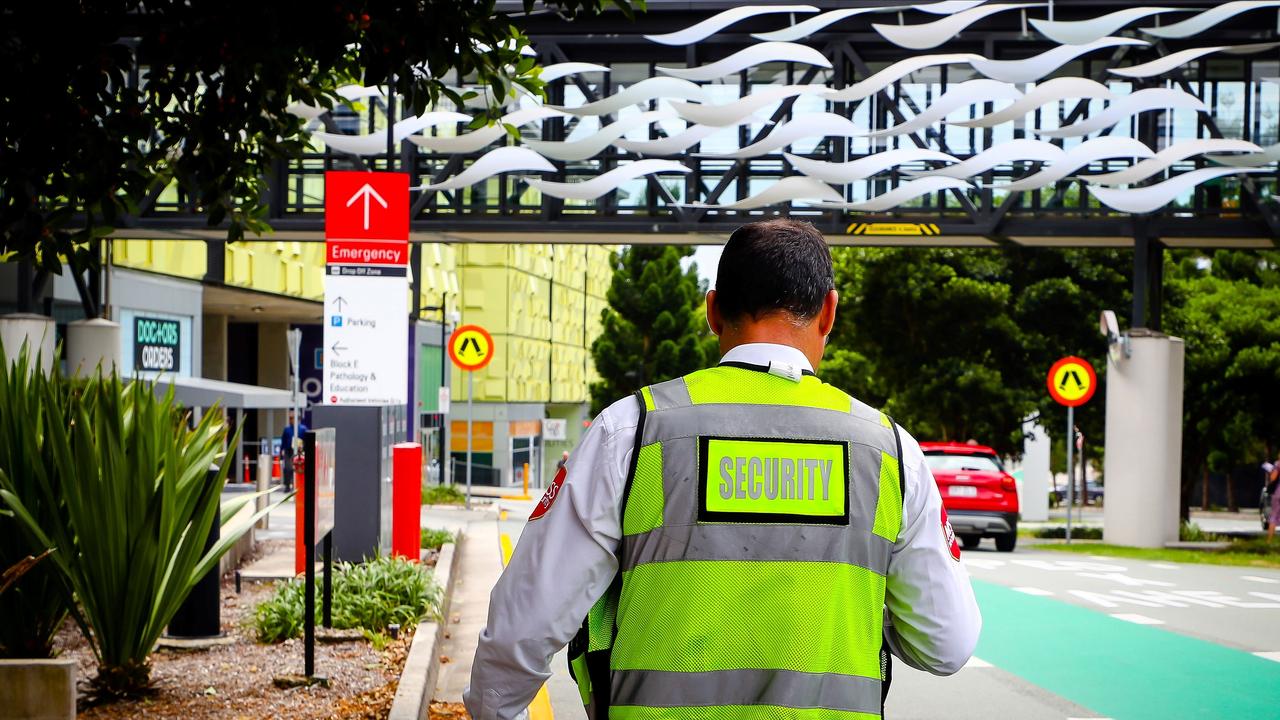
{"type": "Point", "coordinates": [1227, 213]}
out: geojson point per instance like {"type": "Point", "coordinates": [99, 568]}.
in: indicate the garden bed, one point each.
{"type": "Point", "coordinates": [235, 680]}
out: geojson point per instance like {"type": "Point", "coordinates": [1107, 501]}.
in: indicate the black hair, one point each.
{"type": "Point", "coordinates": [771, 266]}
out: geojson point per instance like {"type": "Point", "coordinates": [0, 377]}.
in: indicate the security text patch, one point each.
{"type": "Point", "coordinates": [758, 480]}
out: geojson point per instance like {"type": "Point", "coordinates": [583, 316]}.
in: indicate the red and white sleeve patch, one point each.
{"type": "Point", "coordinates": [949, 536]}
{"type": "Point", "coordinates": [548, 497]}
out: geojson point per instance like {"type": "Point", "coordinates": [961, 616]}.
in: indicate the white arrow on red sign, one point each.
{"type": "Point", "coordinates": [367, 192]}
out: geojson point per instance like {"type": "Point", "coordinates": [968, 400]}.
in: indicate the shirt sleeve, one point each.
{"type": "Point", "coordinates": [565, 560]}
{"type": "Point", "coordinates": [934, 619]}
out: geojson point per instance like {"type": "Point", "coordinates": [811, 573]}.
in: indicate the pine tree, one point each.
{"type": "Point", "coordinates": [653, 329]}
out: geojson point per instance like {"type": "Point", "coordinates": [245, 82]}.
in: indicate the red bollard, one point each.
{"type": "Point", "coordinates": [299, 545]}
{"type": "Point", "coordinates": [406, 501]}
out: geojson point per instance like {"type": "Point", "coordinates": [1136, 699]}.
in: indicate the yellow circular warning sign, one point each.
{"type": "Point", "coordinates": [1072, 381]}
{"type": "Point", "coordinates": [470, 347]}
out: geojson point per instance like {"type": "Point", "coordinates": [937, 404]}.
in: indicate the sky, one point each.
{"type": "Point", "coordinates": [708, 259]}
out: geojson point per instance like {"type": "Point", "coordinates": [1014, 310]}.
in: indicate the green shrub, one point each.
{"type": "Point", "coordinates": [435, 538]}
{"type": "Point", "coordinates": [1191, 532]}
{"type": "Point", "coordinates": [126, 500]}
{"type": "Point", "coordinates": [280, 617]}
{"type": "Point", "coordinates": [369, 596]}
{"type": "Point", "coordinates": [442, 495]}
{"type": "Point", "coordinates": [1060, 531]}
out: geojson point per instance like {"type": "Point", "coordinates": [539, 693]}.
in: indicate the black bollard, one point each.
{"type": "Point", "coordinates": [200, 615]}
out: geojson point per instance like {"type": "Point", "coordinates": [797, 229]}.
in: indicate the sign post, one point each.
{"type": "Point", "coordinates": [366, 337]}
{"type": "Point", "coordinates": [471, 349]}
{"type": "Point", "coordinates": [321, 454]}
{"type": "Point", "coordinates": [1071, 382]}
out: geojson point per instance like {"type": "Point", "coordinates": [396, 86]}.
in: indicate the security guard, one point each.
{"type": "Point", "coordinates": [741, 540]}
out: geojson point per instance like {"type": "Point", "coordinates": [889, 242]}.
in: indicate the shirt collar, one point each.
{"type": "Point", "coordinates": [764, 353]}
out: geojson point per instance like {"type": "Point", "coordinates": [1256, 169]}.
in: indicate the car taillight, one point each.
{"type": "Point", "coordinates": [1007, 484]}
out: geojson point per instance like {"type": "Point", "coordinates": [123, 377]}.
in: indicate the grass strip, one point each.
{"type": "Point", "coordinates": [1250, 553]}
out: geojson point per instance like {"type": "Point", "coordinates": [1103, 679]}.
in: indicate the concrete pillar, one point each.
{"type": "Point", "coordinates": [1144, 441]}
{"type": "Point", "coordinates": [273, 370]}
{"type": "Point", "coordinates": [213, 347]}
{"type": "Point", "coordinates": [38, 689]}
{"type": "Point", "coordinates": [1034, 495]}
{"type": "Point", "coordinates": [93, 343]}
{"type": "Point", "coordinates": [38, 332]}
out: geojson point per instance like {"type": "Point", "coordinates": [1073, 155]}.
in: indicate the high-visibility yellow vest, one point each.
{"type": "Point", "coordinates": [758, 524]}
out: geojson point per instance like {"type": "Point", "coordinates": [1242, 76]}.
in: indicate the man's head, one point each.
{"type": "Point", "coordinates": [291, 416]}
{"type": "Point", "coordinates": [774, 284]}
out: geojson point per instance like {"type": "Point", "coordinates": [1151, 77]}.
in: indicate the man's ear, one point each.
{"type": "Point", "coordinates": [714, 319]}
{"type": "Point", "coordinates": [827, 316]}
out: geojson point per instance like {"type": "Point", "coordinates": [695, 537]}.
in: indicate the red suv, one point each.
{"type": "Point", "coordinates": [980, 497]}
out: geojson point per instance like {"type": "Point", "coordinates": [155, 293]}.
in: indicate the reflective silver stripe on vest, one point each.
{"type": "Point", "coordinates": [767, 421]}
{"type": "Point", "coordinates": [787, 688]}
{"type": "Point", "coordinates": [816, 543]}
{"type": "Point", "coordinates": [670, 394]}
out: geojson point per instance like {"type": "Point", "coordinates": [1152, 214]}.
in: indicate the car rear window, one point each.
{"type": "Point", "coordinates": [961, 463]}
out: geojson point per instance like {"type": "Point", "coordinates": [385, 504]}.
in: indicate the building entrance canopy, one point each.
{"type": "Point", "coordinates": [205, 393]}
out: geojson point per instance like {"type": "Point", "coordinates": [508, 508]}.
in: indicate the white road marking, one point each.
{"type": "Point", "coordinates": [1163, 566]}
{"type": "Point", "coordinates": [983, 564]}
{"type": "Point", "coordinates": [1269, 656]}
{"type": "Point", "coordinates": [1255, 578]}
{"type": "Point", "coordinates": [1176, 599]}
{"type": "Point", "coordinates": [1033, 591]}
{"type": "Point", "coordinates": [975, 662]}
{"type": "Point", "coordinates": [1137, 619]}
{"type": "Point", "coordinates": [1125, 579]}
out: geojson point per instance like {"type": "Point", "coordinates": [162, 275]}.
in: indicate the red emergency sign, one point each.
{"type": "Point", "coordinates": [366, 205]}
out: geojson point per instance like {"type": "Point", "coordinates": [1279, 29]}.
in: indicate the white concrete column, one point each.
{"type": "Point", "coordinates": [38, 332]}
{"type": "Point", "coordinates": [1144, 441]}
{"type": "Point", "coordinates": [1034, 494]}
{"type": "Point", "coordinates": [91, 343]}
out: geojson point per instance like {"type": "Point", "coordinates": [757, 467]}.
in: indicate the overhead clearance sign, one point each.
{"type": "Point", "coordinates": [366, 329]}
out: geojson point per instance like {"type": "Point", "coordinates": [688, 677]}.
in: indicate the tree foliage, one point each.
{"type": "Point", "coordinates": [955, 343]}
{"type": "Point", "coordinates": [108, 102]}
{"type": "Point", "coordinates": [653, 328]}
{"type": "Point", "coordinates": [1227, 311]}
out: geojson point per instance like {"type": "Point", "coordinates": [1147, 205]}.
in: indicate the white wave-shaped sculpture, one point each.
{"type": "Point", "coordinates": [903, 193]}
{"type": "Point", "coordinates": [571, 150]}
{"type": "Point", "coordinates": [895, 72]}
{"type": "Point", "coordinates": [1019, 149]}
{"type": "Point", "coordinates": [672, 145]}
{"type": "Point", "coordinates": [1200, 22]}
{"type": "Point", "coordinates": [758, 54]}
{"type": "Point", "coordinates": [1077, 157]}
{"type": "Point", "coordinates": [565, 69]}
{"type": "Point", "coordinates": [374, 143]}
{"type": "Point", "coordinates": [473, 141]}
{"type": "Point", "coordinates": [843, 173]}
{"type": "Point", "coordinates": [804, 126]}
{"type": "Point", "coordinates": [642, 92]}
{"type": "Point", "coordinates": [812, 25]}
{"type": "Point", "coordinates": [788, 189]}
{"type": "Point", "coordinates": [1166, 158]}
{"type": "Point", "coordinates": [1033, 68]}
{"type": "Point", "coordinates": [608, 182]}
{"type": "Point", "coordinates": [722, 20]}
{"type": "Point", "coordinates": [1162, 65]}
{"type": "Point", "coordinates": [1269, 154]}
{"type": "Point", "coordinates": [1046, 92]}
{"type": "Point", "coordinates": [496, 161]}
{"type": "Point", "coordinates": [736, 112]}
{"type": "Point", "coordinates": [1082, 32]}
{"type": "Point", "coordinates": [1153, 197]}
{"type": "Point", "coordinates": [350, 93]}
{"type": "Point", "coordinates": [932, 34]}
{"type": "Point", "coordinates": [1127, 106]}
{"type": "Point", "coordinates": [971, 92]}
{"type": "Point", "coordinates": [947, 7]}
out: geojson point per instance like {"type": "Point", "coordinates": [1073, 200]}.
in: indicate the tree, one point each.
{"type": "Point", "coordinates": [955, 343]}
{"type": "Point", "coordinates": [652, 329]}
{"type": "Point", "coordinates": [109, 102]}
{"type": "Point", "coordinates": [1227, 311]}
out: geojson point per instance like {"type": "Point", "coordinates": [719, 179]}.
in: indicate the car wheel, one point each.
{"type": "Point", "coordinates": [970, 541]}
{"type": "Point", "coordinates": [1005, 543]}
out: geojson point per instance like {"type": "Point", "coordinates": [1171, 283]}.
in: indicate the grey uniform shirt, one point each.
{"type": "Point", "coordinates": [566, 559]}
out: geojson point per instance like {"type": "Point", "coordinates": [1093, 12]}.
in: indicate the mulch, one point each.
{"type": "Point", "coordinates": [235, 681]}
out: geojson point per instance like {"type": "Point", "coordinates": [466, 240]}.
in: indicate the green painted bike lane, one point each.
{"type": "Point", "coordinates": [1117, 668]}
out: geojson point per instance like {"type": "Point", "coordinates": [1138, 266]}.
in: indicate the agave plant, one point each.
{"type": "Point", "coordinates": [138, 498]}
{"type": "Point", "coordinates": [35, 603]}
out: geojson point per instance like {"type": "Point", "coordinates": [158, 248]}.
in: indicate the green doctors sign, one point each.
{"type": "Point", "coordinates": [156, 344]}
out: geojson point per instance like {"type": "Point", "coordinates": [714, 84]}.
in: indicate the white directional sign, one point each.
{"type": "Point", "coordinates": [366, 329]}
